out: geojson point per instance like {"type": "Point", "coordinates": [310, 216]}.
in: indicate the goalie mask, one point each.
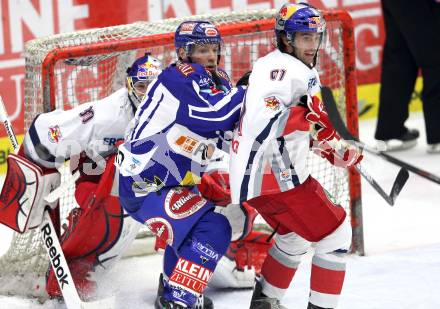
{"type": "Point", "coordinates": [142, 72]}
{"type": "Point", "coordinates": [304, 28]}
{"type": "Point", "coordinates": [189, 34]}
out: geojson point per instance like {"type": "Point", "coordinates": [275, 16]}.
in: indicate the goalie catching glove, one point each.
{"type": "Point", "coordinates": [22, 198]}
{"type": "Point", "coordinates": [326, 141]}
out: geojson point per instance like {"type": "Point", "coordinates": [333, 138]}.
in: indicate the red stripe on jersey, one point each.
{"type": "Point", "coordinates": [276, 273]}
{"type": "Point", "coordinates": [297, 120]}
{"type": "Point", "coordinates": [326, 281]}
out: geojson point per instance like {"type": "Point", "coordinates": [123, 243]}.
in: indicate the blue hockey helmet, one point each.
{"type": "Point", "coordinates": [300, 17]}
{"type": "Point", "coordinates": [139, 76]}
{"type": "Point", "coordinates": [191, 33]}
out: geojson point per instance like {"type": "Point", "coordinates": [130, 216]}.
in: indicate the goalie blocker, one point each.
{"type": "Point", "coordinates": [22, 198]}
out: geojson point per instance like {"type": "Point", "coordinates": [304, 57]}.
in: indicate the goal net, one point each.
{"type": "Point", "coordinates": [65, 70]}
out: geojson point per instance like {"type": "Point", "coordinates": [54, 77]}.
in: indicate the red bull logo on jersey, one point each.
{"type": "Point", "coordinates": [272, 103]}
{"type": "Point", "coordinates": [285, 175]}
{"type": "Point", "coordinates": [181, 203]}
{"type": "Point", "coordinates": [54, 134]}
{"type": "Point", "coordinates": [161, 228]}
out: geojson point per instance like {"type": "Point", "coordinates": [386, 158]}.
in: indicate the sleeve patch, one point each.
{"type": "Point", "coordinates": [54, 134]}
{"type": "Point", "coordinates": [272, 103]}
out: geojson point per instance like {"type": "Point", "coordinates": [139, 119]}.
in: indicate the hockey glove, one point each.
{"type": "Point", "coordinates": [215, 188]}
{"type": "Point", "coordinates": [244, 80]}
{"type": "Point", "coordinates": [318, 117]}
{"type": "Point", "coordinates": [337, 152]}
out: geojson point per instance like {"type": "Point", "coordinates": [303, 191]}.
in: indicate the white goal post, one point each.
{"type": "Point", "coordinates": [65, 70]}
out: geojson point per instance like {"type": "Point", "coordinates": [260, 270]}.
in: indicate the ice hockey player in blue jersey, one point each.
{"type": "Point", "coordinates": [175, 135]}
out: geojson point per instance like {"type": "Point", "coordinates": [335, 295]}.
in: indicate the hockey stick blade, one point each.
{"type": "Point", "coordinates": [338, 124]}
{"type": "Point", "coordinates": [398, 184]}
{"type": "Point", "coordinates": [335, 117]}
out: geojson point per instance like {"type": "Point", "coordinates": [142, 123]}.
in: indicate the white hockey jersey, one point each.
{"type": "Point", "coordinates": [271, 144]}
{"type": "Point", "coordinates": [93, 128]}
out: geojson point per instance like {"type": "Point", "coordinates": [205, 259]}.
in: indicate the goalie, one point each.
{"type": "Point", "coordinates": [98, 231]}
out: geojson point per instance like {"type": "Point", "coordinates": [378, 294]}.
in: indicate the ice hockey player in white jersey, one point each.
{"type": "Point", "coordinates": [268, 163]}
{"type": "Point", "coordinates": [98, 231]}
{"type": "Point", "coordinates": [175, 136]}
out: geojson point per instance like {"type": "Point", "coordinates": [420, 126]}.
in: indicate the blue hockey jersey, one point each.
{"type": "Point", "coordinates": [177, 128]}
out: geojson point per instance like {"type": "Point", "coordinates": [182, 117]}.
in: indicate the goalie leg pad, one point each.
{"type": "Point", "coordinates": [306, 210]}
{"type": "Point", "coordinates": [22, 197]}
{"type": "Point", "coordinates": [242, 262]}
{"type": "Point", "coordinates": [95, 239]}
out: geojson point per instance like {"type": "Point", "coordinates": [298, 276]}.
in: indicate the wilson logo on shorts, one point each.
{"type": "Point", "coordinates": [181, 203]}
{"type": "Point", "coordinates": [161, 228]}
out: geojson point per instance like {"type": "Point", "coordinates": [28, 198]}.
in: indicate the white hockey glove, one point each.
{"type": "Point", "coordinates": [240, 217]}
{"type": "Point", "coordinates": [227, 275]}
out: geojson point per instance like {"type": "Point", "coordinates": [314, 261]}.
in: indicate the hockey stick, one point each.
{"type": "Point", "coordinates": [330, 104]}
{"type": "Point", "coordinates": [335, 118]}
{"type": "Point", "coordinates": [53, 246]}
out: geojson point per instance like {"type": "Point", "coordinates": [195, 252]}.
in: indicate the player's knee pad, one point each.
{"type": "Point", "coordinates": [22, 197]}
{"type": "Point", "coordinates": [207, 242]}
{"type": "Point", "coordinates": [215, 230]}
{"type": "Point", "coordinates": [291, 244]}
{"type": "Point", "coordinates": [339, 239]}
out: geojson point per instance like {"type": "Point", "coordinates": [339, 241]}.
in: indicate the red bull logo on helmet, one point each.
{"type": "Point", "coordinates": [147, 70]}
{"type": "Point", "coordinates": [315, 22]}
{"type": "Point", "coordinates": [287, 11]}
